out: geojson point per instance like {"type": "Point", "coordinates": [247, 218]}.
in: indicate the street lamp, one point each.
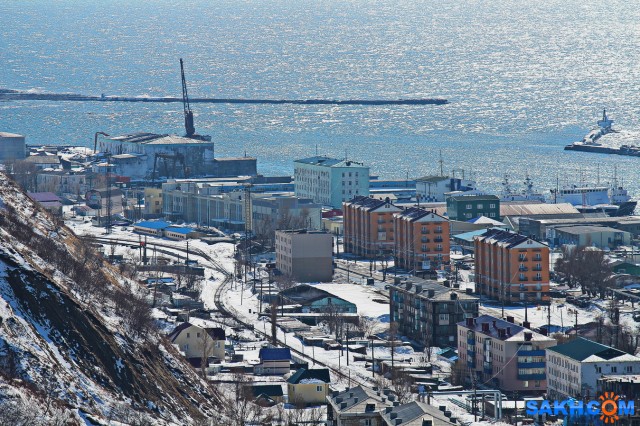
{"type": "Point", "coordinates": [95, 140]}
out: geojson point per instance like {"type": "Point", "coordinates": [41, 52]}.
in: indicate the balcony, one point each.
{"type": "Point", "coordinates": [438, 248]}
{"type": "Point", "coordinates": [537, 268]}
{"type": "Point", "coordinates": [532, 364]}
{"type": "Point", "coordinates": [523, 269]}
{"type": "Point", "coordinates": [438, 239]}
{"type": "Point", "coordinates": [535, 352]}
{"type": "Point", "coordinates": [438, 231]}
{"type": "Point", "coordinates": [537, 258]}
{"type": "Point", "coordinates": [424, 240]}
{"type": "Point", "coordinates": [523, 278]}
{"type": "Point", "coordinates": [540, 376]}
{"type": "Point", "coordinates": [537, 278]}
{"type": "Point", "coordinates": [424, 231]}
{"type": "Point", "coordinates": [522, 259]}
{"type": "Point", "coordinates": [471, 341]}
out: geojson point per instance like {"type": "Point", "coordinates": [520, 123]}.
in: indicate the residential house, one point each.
{"type": "Point", "coordinates": [466, 207]}
{"type": "Point", "coordinates": [199, 342]}
{"type": "Point", "coordinates": [48, 200]}
{"type": "Point", "coordinates": [510, 357]}
{"type": "Point", "coordinates": [273, 361]}
{"type": "Point", "coordinates": [314, 300]}
{"type": "Point", "coordinates": [369, 226]}
{"type": "Point", "coordinates": [329, 181]}
{"type": "Point", "coordinates": [428, 312]}
{"type": "Point", "coordinates": [265, 394]}
{"type": "Point", "coordinates": [573, 368]}
{"type": "Point", "coordinates": [308, 387]}
{"type": "Point", "coordinates": [511, 267]}
{"type": "Point", "coordinates": [416, 413]}
{"type": "Point", "coordinates": [421, 239]}
{"type": "Point", "coordinates": [306, 256]}
{"type": "Point", "coordinates": [356, 406]}
{"type": "Point", "coordinates": [42, 162]}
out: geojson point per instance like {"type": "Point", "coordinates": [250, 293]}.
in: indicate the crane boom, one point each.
{"type": "Point", "coordinates": [188, 114]}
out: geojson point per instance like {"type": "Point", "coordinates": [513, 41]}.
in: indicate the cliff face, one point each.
{"type": "Point", "coordinates": [73, 331]}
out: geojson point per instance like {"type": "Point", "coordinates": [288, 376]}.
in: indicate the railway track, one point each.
{"type": "Point", "coordinates": [220, 306]}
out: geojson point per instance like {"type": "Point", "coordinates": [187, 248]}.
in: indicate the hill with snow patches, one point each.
{"type": "Point", "coordinates": [77, 343]}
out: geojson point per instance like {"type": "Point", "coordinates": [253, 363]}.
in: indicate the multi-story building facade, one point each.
{"type": "Point", "coordinates": [488, 348]}
{"type": "Point", "coordinates": [330, 181]}
{"type": "Point", "coordinates": [511, 267]}
{"type": "Point", "coordinates": [574, 368]}
{"type": "Point", "coordinates": [465, 207]}
{"type": "Point", "coordinates": [62, 182]}
{"type": "Point", "coordinates": [435, 188]}
{"type": "Point", "coordinates": [421, 239]}
{"type": "Point", "coordinates": [306, 256]}
{"type": "Point", "coordinates": [428, 312]}
{"type": "Point", "coordinates": [369, 226]}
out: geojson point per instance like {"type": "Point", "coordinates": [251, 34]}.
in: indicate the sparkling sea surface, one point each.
{"type": "Point", "coordinates": [523, 79]}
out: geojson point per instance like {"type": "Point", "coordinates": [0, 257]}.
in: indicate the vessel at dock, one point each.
{"type": "Point", "coordinates": [590, 143]}
{"type": "Point", "coordinates": [614, 200]}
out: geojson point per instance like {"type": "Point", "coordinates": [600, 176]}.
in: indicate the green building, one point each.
{"type": "Point", "coordinates": [467, 207]}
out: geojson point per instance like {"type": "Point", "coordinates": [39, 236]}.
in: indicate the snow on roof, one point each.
{"type": "Point", "coordinates": [179, 230]}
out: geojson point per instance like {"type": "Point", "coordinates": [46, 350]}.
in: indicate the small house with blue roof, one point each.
{"type": "Point", "coordinates": [273, 361]}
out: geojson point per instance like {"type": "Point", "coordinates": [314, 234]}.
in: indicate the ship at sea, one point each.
{"type": "Point", "coordinates": [614, 200]}
{"type": "Point", "coordinates": [527, 194]}
{"type": "Point", "coordinates": [590, 143]}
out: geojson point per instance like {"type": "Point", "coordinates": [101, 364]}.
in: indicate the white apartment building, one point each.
{"type": "Point", "coordinates": [573, 368]}
{"type": "Point", "coordinates": [435, 188]}
{"type": "Point", "coordinates": [330, 181]}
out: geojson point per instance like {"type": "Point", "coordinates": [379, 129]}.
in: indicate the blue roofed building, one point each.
{"type": "Point", "coordinates": [151, 227]}
{"type": "Point", "coordinates": [273, 361]}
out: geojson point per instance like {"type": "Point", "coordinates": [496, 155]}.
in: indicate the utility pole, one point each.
{"type": "Point", "coordinates": [106, 173]}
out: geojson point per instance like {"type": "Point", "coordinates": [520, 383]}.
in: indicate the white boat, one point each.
{"type": "Point", "coordinates": [527, 194]}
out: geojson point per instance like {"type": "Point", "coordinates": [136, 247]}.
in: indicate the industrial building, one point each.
{"type": "Point", "coordinates": [151, 156]}
{"type": "Point", "coordinates": [330, 181]}
{"type": "Point", "coordinates": [589, 235]}
{"type": "Point", "coordinates": [12, 147]}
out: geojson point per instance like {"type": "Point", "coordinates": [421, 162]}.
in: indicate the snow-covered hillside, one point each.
{"type": "Point", "coordinates": [74, 334]}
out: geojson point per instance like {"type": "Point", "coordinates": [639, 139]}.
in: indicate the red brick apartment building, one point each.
{"type": "Point", "coordinates": [417, 238]}
{"type": "Point", "coordinates": [511, 267]}
{"type": "Point", "coordinates": [368, 226]}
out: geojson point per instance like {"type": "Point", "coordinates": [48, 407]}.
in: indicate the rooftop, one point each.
{"type": "Point", "coordinates": [43, 197]}
{"type": "Point", "coordinates": [153, 224]}
{"type": "Point", "coordinates": [438, 291]}
{"type": "Point", "coordinates": [351, 398]}
{"type": "Point", "coordinates": [463, 197]}
{"type": "Point", "coordinates": [580, 349]}
{"type": "Point", "coordinates": [10, 135]}
{"type": "Point", "coordinates": [274, 354]}
{"type": "Point", "coordinates": [412, 414]}
{"type": "Point", "coordinates": [432, 179]}
{"type": "Point", "coordinates": [512, 332]}
{"type": "Point", "coordinates": [586, 229]}
{"type": "Point", "coordinates": [179, 230]}
{"type": "Point", "coordinates": [315, 374]}
{"type": "Point", "coordinates": [536, 209]}
{"type": "Point", "coordinates": [156, 139]}
{"type": "Point", "coordinates": [329, 162]}
{"type": "Point", "coordinates": [507, 239]}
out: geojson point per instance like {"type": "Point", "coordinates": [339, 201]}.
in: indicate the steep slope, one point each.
{"type": "Point", "coordinates": [74, 331]}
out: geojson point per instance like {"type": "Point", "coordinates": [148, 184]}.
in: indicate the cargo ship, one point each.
{"type": "Point", "coordinates": [590, 142]}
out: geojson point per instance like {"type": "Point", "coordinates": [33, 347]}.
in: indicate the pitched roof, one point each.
{"type": "Point", "coordinates": [516, 332]}
{"type": "Point", "coordinates": [42, 197]}
{"type": "Point", "coordinates": [269, 390]}
{"type": "Point", "coordinates": [355, 396]}
{"type": "Point", "coordinates": [302, 375]}
{"type": "Point", "coordinates": [274, 354]}
{"type": "Point", "coordinates": [216, 333]}
{"type": "Point", "coordinates": [506, 239]}
{"type": "Point", "coordinates": [179, 230]}
{"type": "Point", "coordinates": [320, 160]}
{"type": "Point", "coordinates": [416, 213]}
{"type": "Point", "coordinates": [432, 179]}
{"type": "Point", "coordinates": [463, 197]}
{"type": "Point", "coordinates": [413, 412]}
{"type": "Point", "coordinates": [305, 294]}
{"type": "Point", "coordinates": [581, 349]}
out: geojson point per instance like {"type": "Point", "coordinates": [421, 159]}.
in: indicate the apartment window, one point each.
{"type": "Point", "coordinates": [614, 369]}
{"type": "Point", "coordinates": [318, 388]}
{"type": "Point", "coordinates": [492, 206]}
{"type": "Point", "coordinates": [537, 382]}
{"type": "Point", "coordinates": [467, 215]}
{"type": "Point", "coordinates": [469, 206]}
{"type": "Point", "coordinates": [367, 422]}
{"type": "Point", "coordinates": [188, 335]}
{"type": "Point", "coordinates": [424, 247]}
{"type": "Point", "coordinates": [492, 215]}
{"type": "Point", "coordinates": [628, 369]}
{"type": "Point", "coordinates": [198, 335]}
{"type": "Point", "coordinates": [522, 277]}
{"type": "Point", "coordinates": [480, 206]}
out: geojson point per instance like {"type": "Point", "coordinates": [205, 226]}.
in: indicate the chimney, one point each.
{"type": "Point", "coordinates": [343, 405]}
{"type": "Point", "coordinates": [526, 324]}
{"type": "Point", "coordinates": [528, 336]}
{"type": "Point", "coordinates": [510, 319]}
{"type": "Point", "coordinates": [469, 322]}
{"type": "Point", "coordinates": [508, 331]}
{"type": "Point", "coordinates": [350, 394]}
{"type": "Point", "coordinates": [469, 290]}
{"type": "Point", "coordinates": [501, 333]}
{"type": "Point", "coordinates": [387, 410]}
{"type": "Point", "coordinates": [355, 400]}
{"type": "Point", "coordinates": [454, 296]}
{"type": "Point", "coordinates": [397, 280]}
{"type": "Point", "coordinates": [485, 327]}
{"type": "Point", "coordinates": [447, 413]}
{"type": "Point", "coordinates": [442, 408]}
{"type": "Point", "coordinates": [494, 324]}
{"type": "Point", "coordinates": [431, 293]}
{"type": "Point", "coordinates": [418, 288]}
{"type": "Point", "coordinates": [396, 403]}
{"type": "Point", "coordinates": [543, 331]}
{"type": "Point", "coordinates": [398, 421]}
{"type": "Point", "coordinates": [427, 422]}
{"type": "Point", "coordinates": [393, 415]}
{"type": "Point", "coordinates": [335, 393]}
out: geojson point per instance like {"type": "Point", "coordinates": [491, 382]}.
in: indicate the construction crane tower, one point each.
{"type": "Point", "coordinates": [188, 114]}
